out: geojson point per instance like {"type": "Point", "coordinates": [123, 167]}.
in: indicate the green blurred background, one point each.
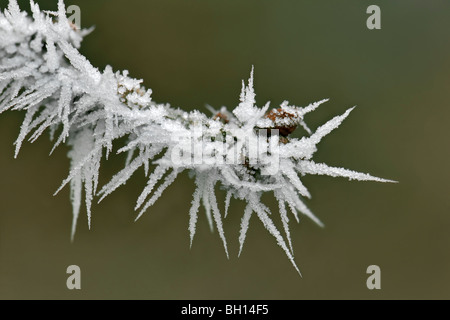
{"type": "Point", "coordinates": [193, 53]}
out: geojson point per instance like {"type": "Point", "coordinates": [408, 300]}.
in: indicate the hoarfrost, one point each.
{"type": "Point", "coordinates": [43, 73]}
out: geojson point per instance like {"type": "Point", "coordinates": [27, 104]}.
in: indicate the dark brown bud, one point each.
{"type": "Point", "coordinates": [278, 114]}
{"type": "Point", "coordinates": [221, 117]}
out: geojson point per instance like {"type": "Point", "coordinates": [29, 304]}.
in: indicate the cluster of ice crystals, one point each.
{"type": "Point", "coordinates": [43, 74]}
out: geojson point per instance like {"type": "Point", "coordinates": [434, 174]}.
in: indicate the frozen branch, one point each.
{"type": "Point", "coordinates": [247, 151]}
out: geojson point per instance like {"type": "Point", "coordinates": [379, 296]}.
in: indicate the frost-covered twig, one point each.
{"type": "Point", "coordinates": [247, 152]}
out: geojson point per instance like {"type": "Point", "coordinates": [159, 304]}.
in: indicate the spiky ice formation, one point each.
{"type": "Point", "coordinates": [247, 151]}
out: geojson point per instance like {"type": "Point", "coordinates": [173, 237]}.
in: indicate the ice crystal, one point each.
{"type": "Point", "coordinates": [247, 151]}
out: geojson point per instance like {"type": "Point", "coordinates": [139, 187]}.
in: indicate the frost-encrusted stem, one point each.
{"type": "Point", "coordinates": [247, 151]}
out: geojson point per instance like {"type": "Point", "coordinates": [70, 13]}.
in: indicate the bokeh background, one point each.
{"type": "Point", "coordinates": [193, 53]}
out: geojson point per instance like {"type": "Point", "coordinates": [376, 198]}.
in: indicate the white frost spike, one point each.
{"type": "Point", "coordinates": [120, 178]}
{"type": "Point", "coordinates": [310, 167]}
{"type": "Point", "coordinates": [246, 109]}
{"type": "Point", "coordinates": [64, 111]}
{"type": "Point", "coordinates": [193, 212]}
{"type": "Point", "coordinates": [80, 62]}
{"type": "Point", "coordinates": [207, 205]}
{"type": "Point", "coordinates": [44, 75]}
{"type": "Point", "coordinates": [285, 221]}
{"type": "Point", "coordinates": [289, 172]}
{"type": "Point", "coordinates": [244, 226]}
{"type": "Point", "coordinates": [270, 226]}
{"type": "Point", "coordinates": [298, 204]}
{"type": "Point", "coordinates": [82, 144]}
{"type": "Point", "coordinates": [311, 107]}
{"type": "Point", "coordinates": [325, 129]}
{"type": "Point", "coordinates": [24, 129]}
{"type": "Point", "coordinates": [167, 182]}
{"type": "Point", "coordinates": [227, 202]}
{"type": "Point", "coordinates": [217, 216]}
{"type": "Point", "coordinates": [152, 181]}
{"type": "Point", "coordinates": [13, 14]}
